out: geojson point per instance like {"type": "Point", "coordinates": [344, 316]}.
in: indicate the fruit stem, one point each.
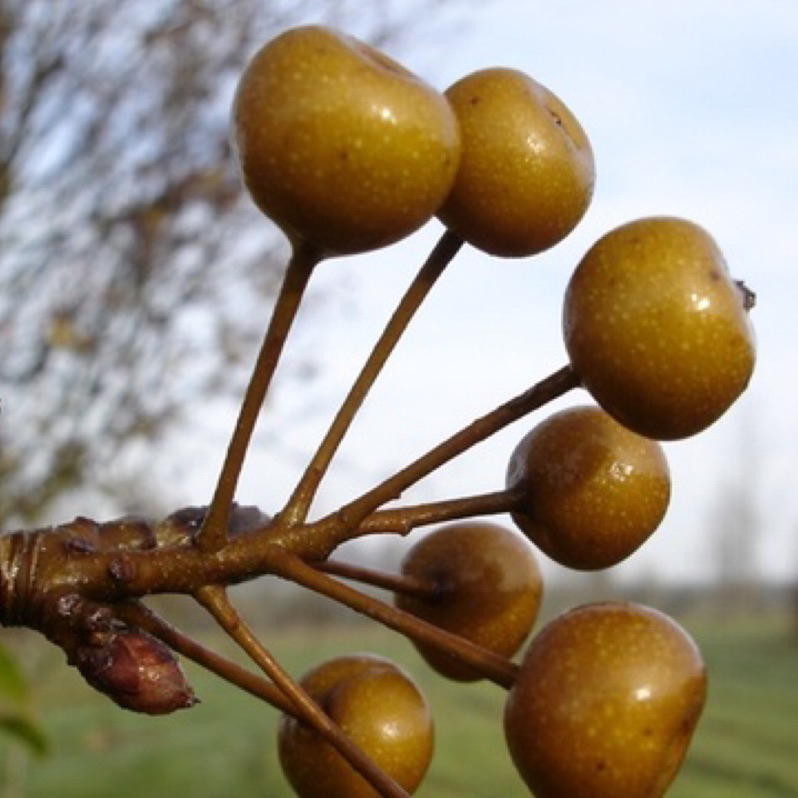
{"type": "Point", "coordinates": [497, 669]}
{"type": "Point", "coordinates": [403, 520]}
{"type": "Point", "coordinates": [298, 506]}
{"type": "Point", "coordinates": [213, 534]}
{"type": "Point", "coordinates": [215, 600]}
{"type": "Point", "coordinates": [343, 524]}
{"type": "Point", "coordinates": [397, 583]}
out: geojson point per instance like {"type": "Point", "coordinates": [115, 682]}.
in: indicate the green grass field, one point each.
{"type": "Point", "coordinates": [746, 747]}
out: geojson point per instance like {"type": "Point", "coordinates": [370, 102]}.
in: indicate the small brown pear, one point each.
{"type": "Point", "coordinates": [486, 587]}
{"type": "Point", "coordinates": [380, 708]}
{"type": "Point", "coordinates": [605, 703]}
{"type": "Point", "coordinates": [341, 146]}
{"type": "Point", "coordinates": [591, 492]}
{"type": "Point", "coordinates": [657, 329]}
{"type": "Point", "coordinates": [526, 173]}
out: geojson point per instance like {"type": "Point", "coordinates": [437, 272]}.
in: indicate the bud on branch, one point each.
{"type": "Point", "coordinates": [136, 671]}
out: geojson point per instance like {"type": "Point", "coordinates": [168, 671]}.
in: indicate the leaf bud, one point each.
{"type": "Point", "coordinates": [136, 671]}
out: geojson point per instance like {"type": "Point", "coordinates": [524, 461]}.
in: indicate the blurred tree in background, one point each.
{"type": "Point", "coordinates": [132, 269]}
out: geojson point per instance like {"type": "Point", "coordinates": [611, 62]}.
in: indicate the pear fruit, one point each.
{"type": "Point", "coordinates": [379, 707]}
{"type": "Point", "coordinates": [591, 491]}
{"type": "Point", "coordinates": [605, 703]}
{"type": "Point", "coordinates": [338, 144]}
{"type": "Point", "coordinates": [657, 329]}
{"type": "Point", "coordinates": [527, 171]}
{"type": "Point", "coordinates": [487, 588]}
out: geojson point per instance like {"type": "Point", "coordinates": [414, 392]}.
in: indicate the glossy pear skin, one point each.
{"type": "Point", "coordinates": [593, 491]}
{"type": "Point", "coordinates": [341, 146]}
{"type": "Point", "coordinates": [380, 708]}
{"type": "Point", "coordinates": [527, 171]}
{"type": "Point", "coordinates": [657, 329]}
{"type": "Point", "coordinates": [489, 590]}
{"type": "Point", "coordinates": [605, 704]}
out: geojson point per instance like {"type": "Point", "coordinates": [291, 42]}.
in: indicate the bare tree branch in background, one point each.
{"type": "Point", "coordinates": [132, 269]}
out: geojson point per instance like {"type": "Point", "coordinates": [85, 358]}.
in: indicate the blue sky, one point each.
{"type": "Point", "coordinates": [692, 110]}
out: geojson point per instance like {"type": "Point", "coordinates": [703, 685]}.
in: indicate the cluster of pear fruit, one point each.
{"type": "Point", "coordinates": [346, 151]}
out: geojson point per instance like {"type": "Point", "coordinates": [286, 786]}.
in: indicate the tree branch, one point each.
{"type": "Point", "coordinates": [213, 535]}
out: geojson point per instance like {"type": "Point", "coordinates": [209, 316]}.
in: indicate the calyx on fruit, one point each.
{"type": "Point", "coordinates": [488, 589]}
{"type": "Point", "coordinates": [593, 491]}
{"type": "Point", "coordinates": [605, 703]}
{"type": "Point", "coordinates": [338, 144]}
{"type": "Point", "coordinates": [379, 707]}
{"type": "Point", "coordinates": [526, 173]}
{"type": "Point", "coordinates": [657, 329]}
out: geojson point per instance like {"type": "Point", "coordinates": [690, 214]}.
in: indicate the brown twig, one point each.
{"type": "Point", "coordinates": [397, 583]}
{"type": "Point", "coordinates": [114, 576]}
{"type": "Point", "coordinates": [342, 525]}
{"type": "Point", "coordinates": [448, 246]}
{"type": "Point", "coordinates": [213, 534]}
{"type": "Point", "coordinates": [403, 520]}
{"type": "Point", "coordinates": [492, 666]}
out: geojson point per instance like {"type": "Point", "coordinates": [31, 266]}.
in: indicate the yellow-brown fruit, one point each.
{"type": "Point", "coordinates": [592, 491]}
{"type": "Point", "coordinates": [605, 704]}
{"type": "Point", "coordinates": [341, 146]}
{"type": "Point", "coordinates": [526, 173]}
{"type": "Point", "coordinates": [379, 707]}
{"type": "Point", "coordinates": [487, 589]}
{"type": "Point", "coordinates": [657, 329]}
